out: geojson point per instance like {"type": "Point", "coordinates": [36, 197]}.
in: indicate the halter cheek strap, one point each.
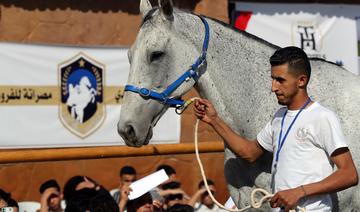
{"type": "Point", "coordinates": [192, 73]}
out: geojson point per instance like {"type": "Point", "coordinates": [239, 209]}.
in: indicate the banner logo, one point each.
{"type": "Point", "coordinates": [307, 36]}
{"type": "Point", "coordinates": [82, 108]}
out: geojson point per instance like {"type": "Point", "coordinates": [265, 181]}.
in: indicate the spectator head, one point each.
{"type": "Point", "coordinates": [180, 208]}
{"type": "Point", "coordinates": [175, 198]}
{"type": "Point", "coordinates": [205, 198]}
{"type": "Point", "coordinates": [49, 184]}
{"type": "Point", "coordinates": [7, 201]}
{"type": "Point", "coordinates": [84, 194]}
{"type": "Point", "coordinates": [70, 186]}
{"type": "Point", "coordinates": [127, 175]}
{"type": "Point", "coordinates": [170, 171]}
{"type": "Point", "coordinates": [4, 197]}
{"type": "Point", "coordinates": [12, 203]}
{"type": "Point", "coordinates": [51, 189]}
{"type": "Point", "coordinates": [296, 59]}
{"type": "Point", "coordinates": [143, 203]}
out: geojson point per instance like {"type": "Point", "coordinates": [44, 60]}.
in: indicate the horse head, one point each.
{"type": "Point", "coordinates": [85, 83]}
{"type": "Point", "coordinates": [160, 54]}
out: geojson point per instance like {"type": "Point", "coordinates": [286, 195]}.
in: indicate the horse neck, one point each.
{"type": "Point", "coordinates": [237, 68]}
{"type": "Point", "coordinates": [234, 56]}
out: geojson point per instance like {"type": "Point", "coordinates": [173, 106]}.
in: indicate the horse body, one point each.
{"type": "Point", "coordinates": [236, 79]}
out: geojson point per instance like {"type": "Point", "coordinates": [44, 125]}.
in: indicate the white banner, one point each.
{"type": "Point", "coordinates": [58, 96]}
{"type": "Point", "coordinates": [324, 31]}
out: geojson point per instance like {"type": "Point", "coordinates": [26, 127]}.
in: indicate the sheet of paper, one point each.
{"type": "Point", "coordinates": [147, 183]}
{"type": "Point", "coordinates": [230, 204]}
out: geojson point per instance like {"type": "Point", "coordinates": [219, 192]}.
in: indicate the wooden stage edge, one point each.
{"type": "Point", "coordinates": [62, 154]}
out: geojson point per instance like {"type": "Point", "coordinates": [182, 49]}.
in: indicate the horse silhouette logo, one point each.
{"type": "Point", "coordinates": [82, 109]}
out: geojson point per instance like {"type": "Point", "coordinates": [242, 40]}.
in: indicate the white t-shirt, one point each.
{"type": "Point", "coordinates": [305, 155]}
{"type": "Point", "coordinates": [199, 207]}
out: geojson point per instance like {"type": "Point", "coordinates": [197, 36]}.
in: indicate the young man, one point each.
{"type": "Point", "coordinates": [50, 197]}
{"type": "Point", "coordinates": [7, 202]}
{"type": "Point", "coordinates": [127, 176]}
{"type": "Point", "coordinates": [304, 136]}
{"type": "Point", "coordinates": [206, 204]}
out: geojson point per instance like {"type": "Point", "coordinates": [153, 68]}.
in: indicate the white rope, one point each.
{"type": "Point", "coordinates": [267, 195]}
{"type": "Point", "coordinates": [254, 204]}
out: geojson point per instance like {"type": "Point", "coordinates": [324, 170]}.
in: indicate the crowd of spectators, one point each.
{"type": "Point", "coordinates": [83, 194]}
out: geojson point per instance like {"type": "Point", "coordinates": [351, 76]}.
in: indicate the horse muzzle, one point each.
{"type": "Point", "coordinates": [132, 136]}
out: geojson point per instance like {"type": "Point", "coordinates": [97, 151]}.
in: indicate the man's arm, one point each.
{"type": "Point", "coordinates": [344, 177]}
{"type": "Point", "coordinates": [195, 197]}
{"type": "Point", "coordinates": [246, 149]}
{"type": "Point", "coordinates": [124, 197]}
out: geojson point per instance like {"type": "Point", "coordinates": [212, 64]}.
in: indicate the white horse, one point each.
{"type": "Point", "coordinates": [79, 97]}
{"type": "Point", "coordinates": [236, 79]}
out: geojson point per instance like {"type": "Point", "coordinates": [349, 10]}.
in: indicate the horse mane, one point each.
{"type": "Point", "coordinates": [151, 12]}
{"type": "Point", "coordinates": [249, 35]}
{"type": "Point", "coordinates": [324, 60]}
{"type": "Point", "coordinates": [254, 37]}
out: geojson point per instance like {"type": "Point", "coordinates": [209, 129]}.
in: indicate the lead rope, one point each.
{"type": "Point", "coordinates": [254, 204]}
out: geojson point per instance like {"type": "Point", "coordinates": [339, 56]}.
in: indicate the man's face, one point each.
{"type": "Point", "coordinates": [54, 199]}
{"type": "Point", "coordinates": [174, 199]}
{"type": "Point", "coordinates": [284, 84]}
{"type": "Point", "coordinates": [205, 197]}
{"type": "Point", "coordinates": [127, 179]}
{"type": "Point", "coordinates": [2, 203]}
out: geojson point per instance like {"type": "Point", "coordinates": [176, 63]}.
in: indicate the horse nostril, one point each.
{"type": "Point", "coordinates": [129, 131]}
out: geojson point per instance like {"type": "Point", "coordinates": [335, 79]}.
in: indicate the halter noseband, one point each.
{"type": "Point", "coordinates": [164, 97]}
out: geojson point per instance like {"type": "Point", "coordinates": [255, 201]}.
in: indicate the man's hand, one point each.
{"type": "Point", "coordinates": [124, 192]}
{"type": "Point", "coordinates": [124, 197]}
{"type": "Point", "coordinates": [204, 110]}
{"type": "Point", "coordinates": [44, 201]}
{"type": "Point", "coordinates": [157, 204]}
{"type": "Point", "coordinates": [87, 184]}
{"type": "Point", "coordinates": [287, 199]}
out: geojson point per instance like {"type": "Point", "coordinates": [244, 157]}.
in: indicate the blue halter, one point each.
{"type": "Point", "coordinates": [164, 97]}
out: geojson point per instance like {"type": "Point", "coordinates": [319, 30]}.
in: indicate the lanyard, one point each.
{"type": "Point", "coordinates": [281, 142]}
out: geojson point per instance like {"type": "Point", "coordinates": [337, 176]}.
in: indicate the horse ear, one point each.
{"type": "Point", "coordinates": [166, 7]}
{"type": "Point", "coordinates": [145, 7]}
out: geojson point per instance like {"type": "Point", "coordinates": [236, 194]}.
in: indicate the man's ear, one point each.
{"type": "Point", "coordinates": [302, 81]}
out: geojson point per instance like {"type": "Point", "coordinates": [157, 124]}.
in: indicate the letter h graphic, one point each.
{"type": "Point", "coordinates": [307, 37]}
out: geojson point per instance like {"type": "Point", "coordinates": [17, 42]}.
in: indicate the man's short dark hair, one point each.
{"type": "Point", "coordinates": [49, 184]}
{"type": "Point", "coordinates": [91, 199]}
{"type": "Point", "coordinates": [133, 205]}
{"type": "Point", "coordinates": [168, 169]}
{"type": "Point", "coordinates": [295, 57]}
{"type": "Point", "coordinates": [71, 184]}
{"type": "Point", "coordinates": [12, 203]}
{"type": "Point", "coordinates": [127, 170]}
{"type": "Point", "coordinates": [4, 195]}
{"type": "Point", "coordinates": [209, 182]}
{"type": "Point", "coordinates": [171, 185]}
{"type": "Point", "coordinates": [7, 198]}
{"type": "Point", "coordinates": [95, 199]}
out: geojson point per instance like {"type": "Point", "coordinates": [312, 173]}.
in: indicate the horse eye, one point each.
{"type": "Point", "coordinates": [156, 56]}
